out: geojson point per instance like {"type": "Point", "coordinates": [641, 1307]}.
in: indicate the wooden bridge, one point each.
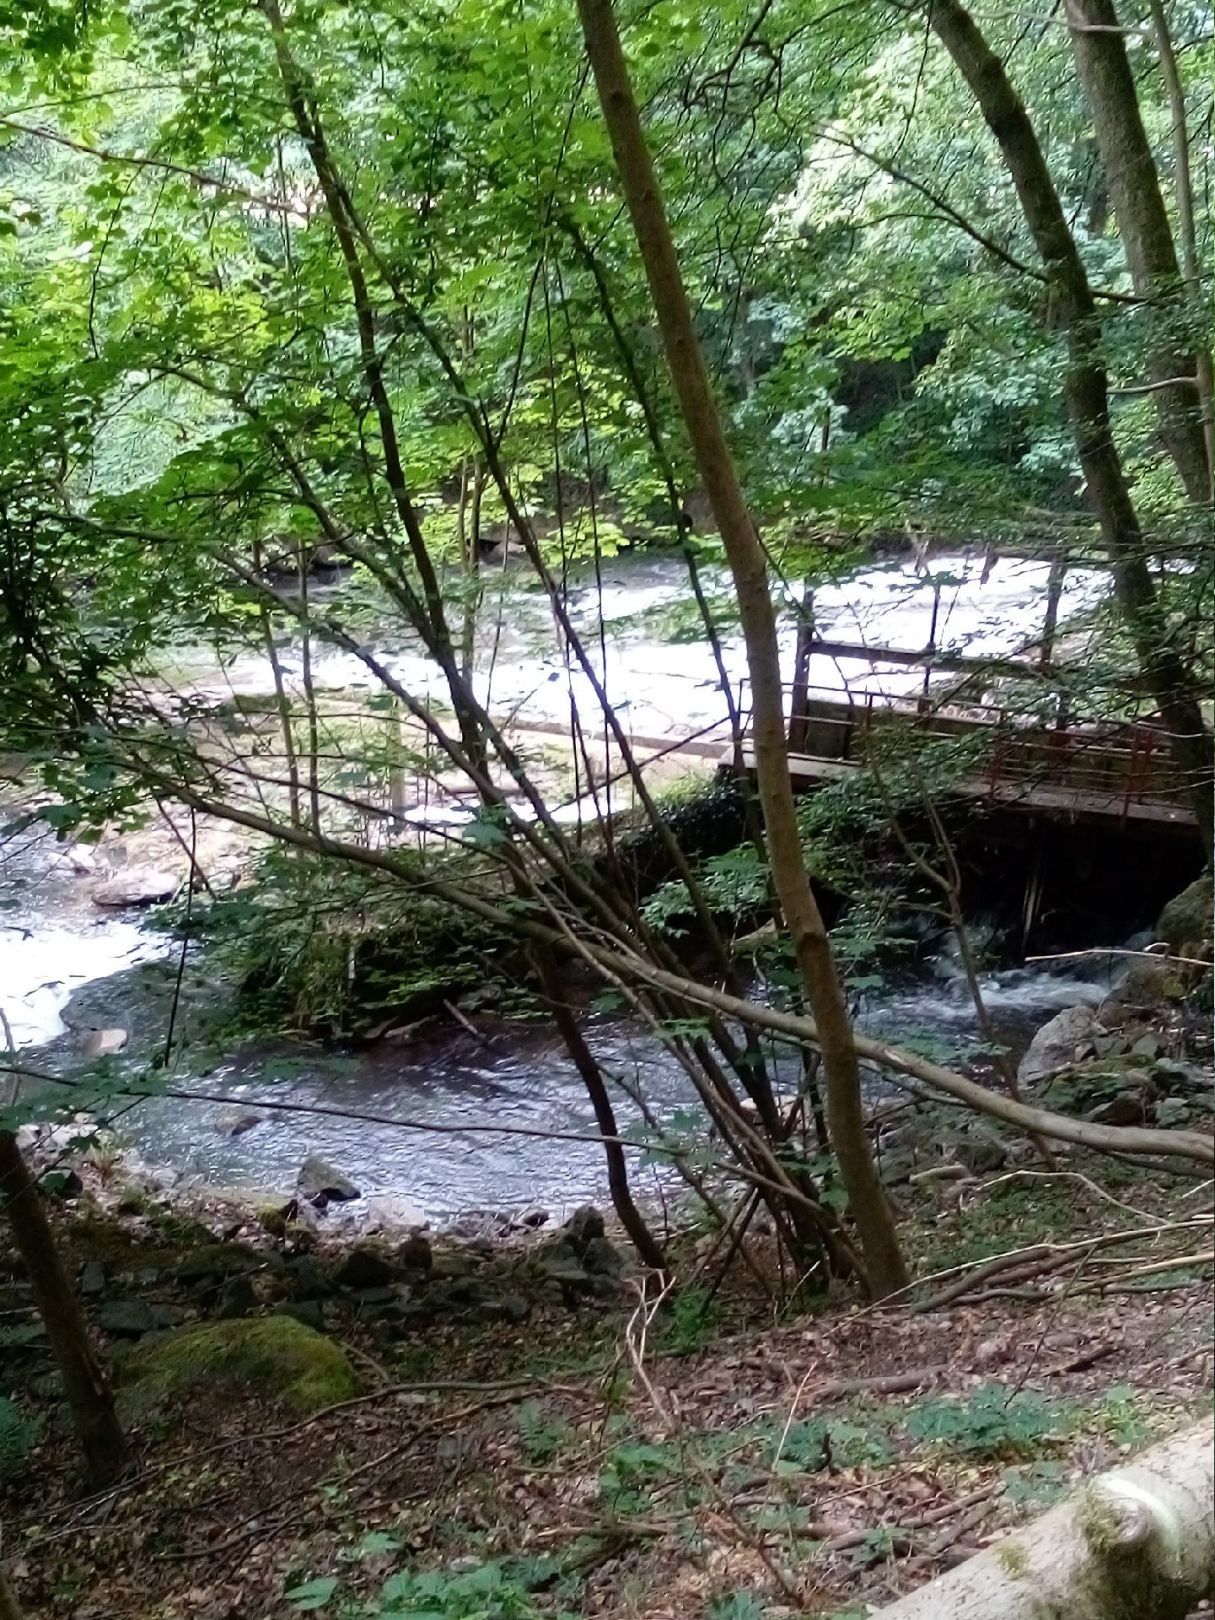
{"type": "Point", "coordinates": [1105, 772]}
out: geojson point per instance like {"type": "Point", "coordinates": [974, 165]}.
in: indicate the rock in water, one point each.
{"type": "Point", "coordinates": [321, 1184]}
{"type": "Point", "coordinates": [99, 1043]}
{"type": "Point", "coordinates": [1057, 1045]}
{"type": "Point", "coordinates": [145, 886]}
{"type": "Point", "coordinates": [237, 1123]}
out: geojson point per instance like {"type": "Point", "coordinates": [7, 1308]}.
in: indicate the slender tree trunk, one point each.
{"type": "Point", "coordinates": [88, 1395]}
{"type": "Point", "coordinates": [1184, 184]}
{"type": "Point", "coordinates": [748, 564]}
{"type": "Point", "coordinates": [1086, 390]}
{"type": "Point", "coordinates": [631, 1217]}
{"type": "Point", "coordinates": [1143, 224]}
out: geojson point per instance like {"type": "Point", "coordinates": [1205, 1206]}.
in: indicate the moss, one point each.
{"type": "Point", "coordinates": [274, 1354]}
{"type": "Point", "coordinates": [1012, 1559]}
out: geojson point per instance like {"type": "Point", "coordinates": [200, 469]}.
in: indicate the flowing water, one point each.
{"type": "Point", "coordinates": [482, 1109]}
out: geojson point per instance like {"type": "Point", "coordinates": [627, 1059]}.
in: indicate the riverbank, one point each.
{"type": "Point", "coordinates": [536, 1448]}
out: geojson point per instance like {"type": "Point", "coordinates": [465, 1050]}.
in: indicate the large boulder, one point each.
{"type": "Point", "coordinates": [1146, 989]}
{"type": "Point", "coordinates": [143, 886]}
{"type": "Point", "coordinates": [1186, 921]}
{"type": "Point", "coordinates": [271, 1355]}
{"type": "Point", "coordinates": [1065, 1040]}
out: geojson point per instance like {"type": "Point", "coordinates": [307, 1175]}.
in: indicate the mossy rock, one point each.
{"type": "Point", "coordinates": [274, 1355]}
{"type": "Point", "coordinates": [1186, 920]}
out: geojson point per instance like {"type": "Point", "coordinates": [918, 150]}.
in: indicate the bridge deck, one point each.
{"type": "Point", "coordinates": [1039, 798]}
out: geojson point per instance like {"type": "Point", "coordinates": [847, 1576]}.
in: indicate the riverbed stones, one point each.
{"type": "Point", "coordinates": [213, 1262]}
{"type": "Point", "coordinates": [364, 1267]}
{"type": "Point", "coordinates": [142, 886]}
{"type": "Point", "coordinates": [132, 1318]}
{"type": "Point", "coordinates": [321, 1184]}
{"type": "Point", "coordinates": [100, 1043]}
{"type": "Point", "coordinates": [1065, 1040]}
{"type": "Point", "coordinates": [415, 1254]}
{"type": "Point", "coordinates": [585, 1224]}
{"type": "Point", "coordinates": [237, 1298]}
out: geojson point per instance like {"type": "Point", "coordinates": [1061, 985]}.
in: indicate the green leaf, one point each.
{"type": "Point", "coordinates": [314, 1594]}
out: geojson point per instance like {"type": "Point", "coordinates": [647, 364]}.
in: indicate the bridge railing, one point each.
{"type": "Point", "coordinates": [1126, 761]}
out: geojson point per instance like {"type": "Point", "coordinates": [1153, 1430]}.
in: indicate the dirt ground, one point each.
{"type": "Point", "coordinates": [705, 1456]}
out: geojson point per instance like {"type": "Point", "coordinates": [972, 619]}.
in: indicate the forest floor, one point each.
{"type": "Point", "coordinates": [714, 1455]}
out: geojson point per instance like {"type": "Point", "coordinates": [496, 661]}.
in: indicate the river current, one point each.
{"type": "Point", "coordinates": [473, 1100]}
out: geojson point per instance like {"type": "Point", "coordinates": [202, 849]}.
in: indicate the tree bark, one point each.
{"type": "Point", "coordinates": [9, 1607]}
{"type": "Point", "coordinates": [1086, 389]}
{"type": "Point", "coordinates": [88, 1395]}
{"type": "Point", "coordinates": [1183, 182]}
{"type": "Point", "coordinates": [631, 1218]}
{"type": "Point", "coordinates": [1143, 225]}
{"type": "Point", "coordinates": [748, 564]}
{"type": "Point", "coordinates": [1137, 1543]}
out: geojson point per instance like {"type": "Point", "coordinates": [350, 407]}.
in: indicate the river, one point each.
{"type": "Point", "coordinates": [480, 1104]}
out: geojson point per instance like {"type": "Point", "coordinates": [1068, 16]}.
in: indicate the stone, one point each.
{"type": "Point", "coordinates": [1124, 1108]}
{"type": "Point", "coordinates": [534, 1218]}
{"type": "Point", "coordinates": [237, 1298]}
{"type": "Point", "coordinates": [389, 1212]}
{"type": "Point", "coordinates": [364, 1267]}
{"type": "Point", "coordinates": [92, 1281]}
{"type": "Point", "coordinates": [508, 1308]}
{"type": "Point", "coordinates": [144, 886]}
{"type": "Point", "coordinates": [132, 1318]}
{"type": "Point", "coordinates": [980, 1150]}
{"type": "Point", "coordinates": [213, 1262]}
{"type": "Point", "coordinates": [415, 1254]}
{"type": "Point", "coordinates": [1147, 987]}
{"type": "Point", "coordinates": [584, 1224]}
{"type": "Point", "coordinates": [99, 1043]}
{"type": "Point", "coordinates": [321, 1184]}
{"type": "Point", "coordinates": [1067, 1038]}
{"type": "Point", "coordinates": [238, 1122]}
{"type": "Point", "coordinates": [61, 1184]}
{"type": "Point", "coordinates": [274, 1355]}
{"type": "Point", "coordinates": [305, 1280]}
{"type": "Point", "coordinates": [1171, 1111]}
{"type": "Point", "coordinates": [310, 1313]}
{"type": "Point", "coordinates": [1186, 920]}
{"type": "Point", "coordinates": [602, 1258]}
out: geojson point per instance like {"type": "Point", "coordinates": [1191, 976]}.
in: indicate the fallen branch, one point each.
{"type": "Point", "coordinates": [1137, 1543]}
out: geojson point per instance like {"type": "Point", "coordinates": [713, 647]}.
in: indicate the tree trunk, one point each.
{"type": "Point", "coordinates": [1183, 182]}
{"type": "Point", "coordinates": [1087, 393]}
{"type": "Point", "coordinates": [9, 1608]}
{"type": "Point", "coordinates": [1137, 1543]}
{"type": "Point", "coordinates": [88, 1396]}
{"type": "Point", "coordinates": [748, 564]}
{"type": "Point", "coordinates": [631, 1218]}
{"type": "Point", "coordinates": [1143, 224]}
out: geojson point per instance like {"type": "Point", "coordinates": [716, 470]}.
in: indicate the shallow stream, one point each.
{"type": "Point", "coordinates": [476, 1100]}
